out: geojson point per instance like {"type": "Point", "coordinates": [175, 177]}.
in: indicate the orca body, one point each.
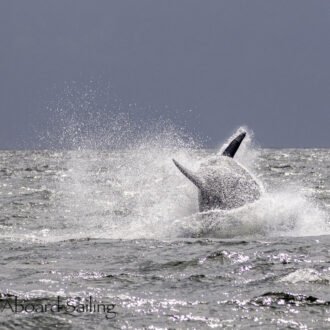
{"type": "Point", "coordinates": [222, 182]}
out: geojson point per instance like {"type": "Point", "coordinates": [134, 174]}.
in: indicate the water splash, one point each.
{"type": "Point", "coordinates": [136, 192]}
{"type": "Point", "coordinates": [275, 214]}
{"type": "Point", "coordinates": [118, 181]}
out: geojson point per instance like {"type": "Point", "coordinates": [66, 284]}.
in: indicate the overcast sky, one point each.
{"type": "Point", "coordinates": [213, 65]}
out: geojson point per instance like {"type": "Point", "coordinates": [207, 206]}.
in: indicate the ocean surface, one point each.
{"type": "Point", "coordinates": [96, 239]}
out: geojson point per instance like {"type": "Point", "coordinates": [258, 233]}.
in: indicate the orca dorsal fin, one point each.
{"type": "Point", "coordinates": [190, 175]}
{"type": "Point", "coordinates": [230, 151]}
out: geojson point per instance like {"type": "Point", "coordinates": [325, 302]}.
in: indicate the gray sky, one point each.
{"type": "Point", "coordinates": [262, 63]}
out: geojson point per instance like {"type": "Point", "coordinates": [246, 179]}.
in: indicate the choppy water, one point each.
{"type": "Point", "coordinates": [123, 228]}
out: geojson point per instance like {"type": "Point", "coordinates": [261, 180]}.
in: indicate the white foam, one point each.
{"type": "Point", "coordinates": [307, 275]}
{"type": "Point", "coordinates": [137, 192]}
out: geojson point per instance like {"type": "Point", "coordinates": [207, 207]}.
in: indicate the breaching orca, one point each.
{"type": "Point", "coordinates": [222, 182]}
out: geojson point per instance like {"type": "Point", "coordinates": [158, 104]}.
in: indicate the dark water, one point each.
{"type": "Point", "coordinates": [121, 229]}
